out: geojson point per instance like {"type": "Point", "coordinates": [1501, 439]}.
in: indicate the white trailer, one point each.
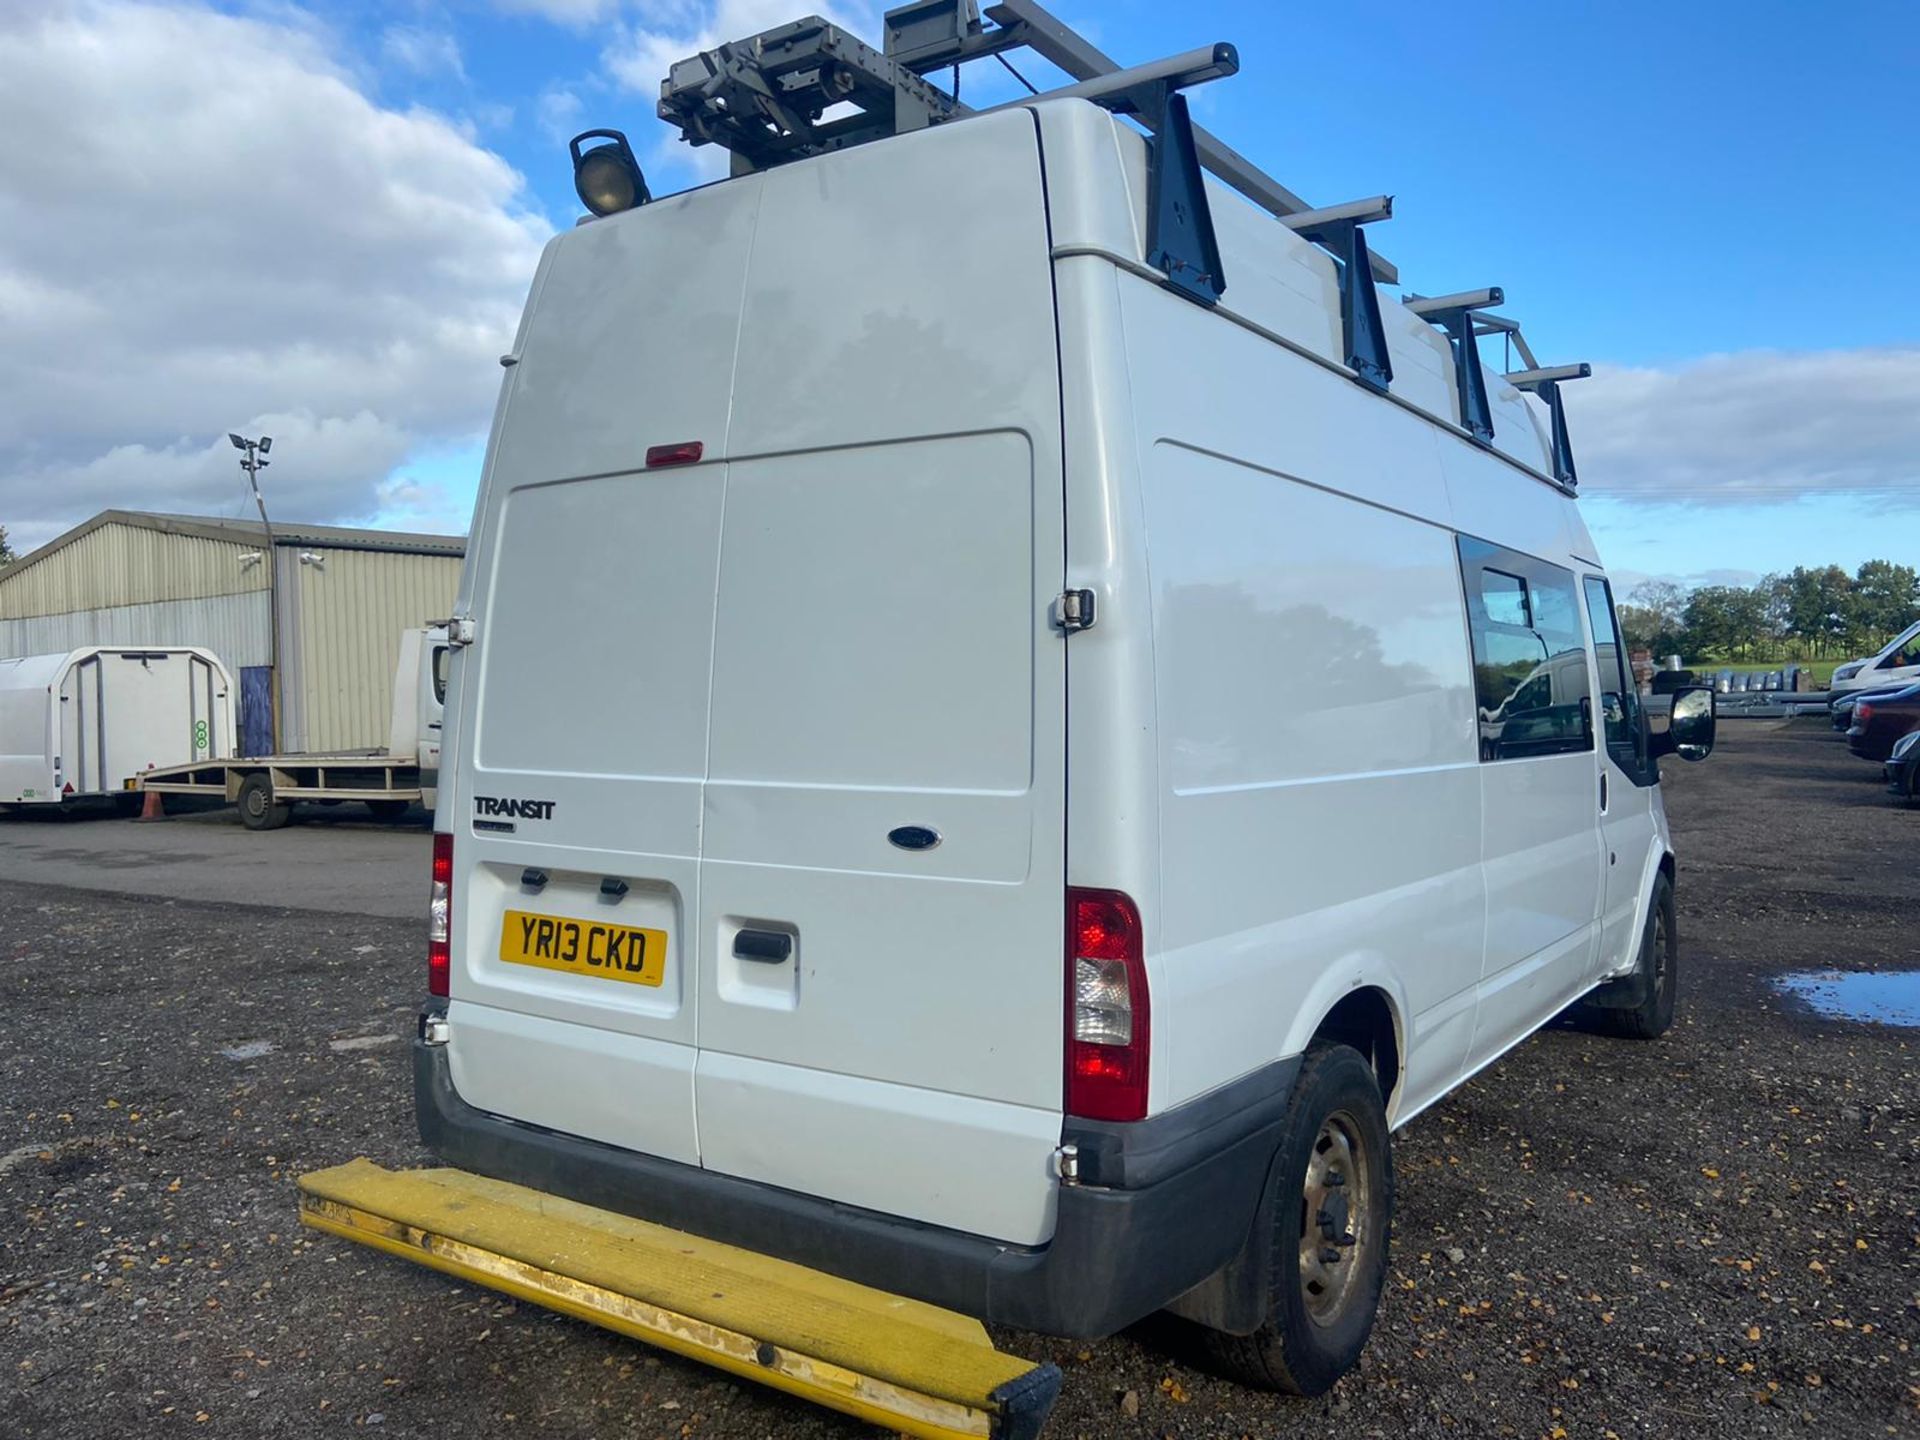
{"type": "Point", "coordinates": [86, 723]}
{"type": "Point", "coordinates": [265, 788]}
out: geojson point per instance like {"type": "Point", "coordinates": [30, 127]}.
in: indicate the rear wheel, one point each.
{"type": "Point", "coordinates": [258, 809]}
{"type": "Point", "coordinates": [1329, 1206]}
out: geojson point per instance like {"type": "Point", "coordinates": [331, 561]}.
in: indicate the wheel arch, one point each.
{"type": "Point", "coordinates": [1359, 1003]}
{"type": "Point", "coordinates": [1367, 1020]}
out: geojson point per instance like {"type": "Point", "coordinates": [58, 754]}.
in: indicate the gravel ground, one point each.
{"type": "Point", "coordinates": [1712, 1235]}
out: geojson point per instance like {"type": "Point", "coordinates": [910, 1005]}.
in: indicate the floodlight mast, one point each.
{"type": "Point", "coordinates": [253, 465]}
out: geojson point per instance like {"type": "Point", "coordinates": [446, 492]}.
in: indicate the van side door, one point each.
{"type": "Point", "coordinates": [1627, 781]}
{"type": "Point", "coordinates": [1540, 836]}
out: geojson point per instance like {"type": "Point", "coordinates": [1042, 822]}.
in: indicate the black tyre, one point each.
{"type": "Point", "coordinates": [1641, 1006]}
{"type": "Point", "coordinates": [1329, 1203]}
{"type": "Point", "coordinates": [388, 809]}
{"type": "Point", "coordinates": [258, 809]}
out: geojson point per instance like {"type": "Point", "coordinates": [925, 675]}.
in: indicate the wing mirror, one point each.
{"type": "Point", "coordinates": [1689, 733]}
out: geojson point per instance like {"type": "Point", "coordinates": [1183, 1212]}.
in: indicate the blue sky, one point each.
{"type": "Point", "coordinates": [1715, 203]}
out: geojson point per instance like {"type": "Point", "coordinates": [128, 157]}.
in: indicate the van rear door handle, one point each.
{"type": "Point", "coordinates": [769, 947]}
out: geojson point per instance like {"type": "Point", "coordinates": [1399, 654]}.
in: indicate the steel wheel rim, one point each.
{"type": "Point", "coordinates": [1662, 965]}
{"type": "Point", "coordinates": [1336, 1219]}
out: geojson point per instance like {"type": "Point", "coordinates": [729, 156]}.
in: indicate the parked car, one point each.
{"type": "Point", "coordinates": [1841, 706]}
{"type": "Point", "coordinates": [1903, 768]}
{"type": "Point", "coordinates": [1878, 721]}
{"type": "Point", "coordinates": [1900, 661]}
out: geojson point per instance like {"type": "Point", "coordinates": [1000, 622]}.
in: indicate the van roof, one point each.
{"type": "Point", "coordinates": [809, 88]}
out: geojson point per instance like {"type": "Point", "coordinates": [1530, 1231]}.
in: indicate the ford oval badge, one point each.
{"type": "Point", "coordinates": [914, 837]}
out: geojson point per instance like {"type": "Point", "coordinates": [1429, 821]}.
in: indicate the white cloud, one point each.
{"type": "Point", "coordinates": [422, 51]}
{"type": "Point", "coordinates": [1761, 425]}
{"type": "Point", "coordinates": [577, 14]}
{"type": "Point", "coordinates": [204, 225]}
{"type": "Point", "coordinates": [559, 112]}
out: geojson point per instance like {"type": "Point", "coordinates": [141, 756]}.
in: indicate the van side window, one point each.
{"type": "Point", "coordinates": [1619, 700]}
{"type": "Point", "coordinates": [1529, 654]}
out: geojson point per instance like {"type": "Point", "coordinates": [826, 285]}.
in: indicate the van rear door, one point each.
{"type": "Point", "coordinates": [881, 881]}
{"type": "Point", "coordinates": [794, 711]}
{"type": "Point", "coordinates": [583, 707]}
{"type": "Point", "coordinates": [882, 904]}
{"type": "Point", "coordinates": [882, 884]}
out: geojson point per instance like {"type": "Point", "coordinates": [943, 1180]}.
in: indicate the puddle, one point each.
{"type": "Point", "coordinates": [1885, 998]}
{"type": "Point", "coordinates": [248, 1050]}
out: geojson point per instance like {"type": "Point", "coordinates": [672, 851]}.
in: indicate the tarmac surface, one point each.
{"type": "Point", "coordinates": [1714, 1234]}
{"type": "Point", "coordinates": [334, 858]}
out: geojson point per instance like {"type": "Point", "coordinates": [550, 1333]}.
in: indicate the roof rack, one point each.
{"type": "Point", "coordinates": [1464, 319]}
{"type": "Point", "coordinates": [809, 88]}
{"type": "Point", "coordinates": [780, 95]}
{"type": "Point", "coordinates": [1545, 381]}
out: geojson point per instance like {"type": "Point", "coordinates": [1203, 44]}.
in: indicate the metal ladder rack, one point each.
{"type": "Point", "coordinates": [810, 88]}
{"type": "Point", "coordinates": [775, 96]}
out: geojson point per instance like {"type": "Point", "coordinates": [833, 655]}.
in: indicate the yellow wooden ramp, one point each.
{"type": "Point", "coordinates": [910, 1367]}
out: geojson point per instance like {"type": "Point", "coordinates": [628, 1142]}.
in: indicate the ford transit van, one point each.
{"type": "Point", "coordinates": [1014, 717]}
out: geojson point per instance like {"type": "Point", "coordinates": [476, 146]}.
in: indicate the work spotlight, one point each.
{"type": "Point", "coordinates": [238, 443]}
{"type": "Point", "coordinates": [607, 177]}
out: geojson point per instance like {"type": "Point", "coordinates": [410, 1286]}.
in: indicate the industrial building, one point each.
{"type": "Point", "coordinates": [342, 597]}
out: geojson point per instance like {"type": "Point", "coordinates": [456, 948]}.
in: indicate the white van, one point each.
{"type": "Point", "coordinates": [889, 563]}
{"type": "Point", "coordinates": [1897, 664]}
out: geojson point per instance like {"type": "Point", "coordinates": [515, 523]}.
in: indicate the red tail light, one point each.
{"type": "Point", "coordinates": [1863, 713]}
{"type": "Point", "coordinates": [1108, 1016]}
{"type": "Point", "coordinates": [440, 917]}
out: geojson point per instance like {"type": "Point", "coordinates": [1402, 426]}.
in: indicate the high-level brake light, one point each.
{"type": "Point", "coordinates": [684, 452]}
{"type": "Point", "coordinates": [440, 918]}
{"type": "Point", "coordinates": [1108, 1017]}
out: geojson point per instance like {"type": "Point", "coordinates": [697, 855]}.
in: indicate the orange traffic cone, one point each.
{"type": "Point", "coordinates": [153, 806]}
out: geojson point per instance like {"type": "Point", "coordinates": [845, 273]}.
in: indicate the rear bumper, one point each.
{"type": "Point", "coordinates": [1162, 1205]}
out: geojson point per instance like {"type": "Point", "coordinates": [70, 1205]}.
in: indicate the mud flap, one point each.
{"type": "Point", "coordinates": [911, 1367]}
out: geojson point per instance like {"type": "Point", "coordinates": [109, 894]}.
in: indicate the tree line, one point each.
{"type": "Point", "coordinates": [1808, 613]}
{"type": "Point", "coordinates": [7, 557]}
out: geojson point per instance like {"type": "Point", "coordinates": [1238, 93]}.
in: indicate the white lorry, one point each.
{"type": "Point", "coordinates": [996, 532]}
{"type": "Point", "coordinates": [85, 724]}
{"type": "Point", "coordinates": [264, 789]}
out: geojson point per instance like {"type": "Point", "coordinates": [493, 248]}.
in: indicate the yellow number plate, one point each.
{"type": "Point", "coordinates": [584, 947]}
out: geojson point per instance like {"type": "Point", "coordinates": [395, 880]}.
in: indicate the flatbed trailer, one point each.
{"type": "Point", "coordinates": [266, 788]}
